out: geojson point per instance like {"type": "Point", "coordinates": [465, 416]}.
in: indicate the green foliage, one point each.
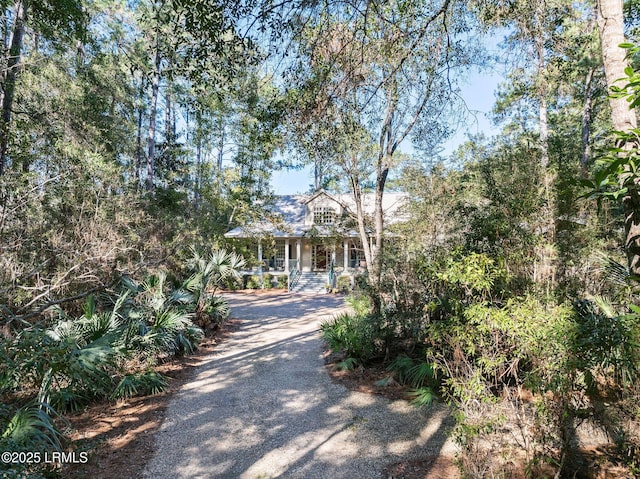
{"type": "Point", "coordinates": [411, 372]}
{"type": "Point", "coordinates": [217, 310]}
{"type": "Point", "coordinates": [617, 171]}
{"type": "Point", "coordinates": [606, 345]}
{"type": "Point", "coordinates": [419, 375]}
{"type": "Point", "coordinates": [33, 424]}
{"type": "Point", "coordinates": [253, 282]}
{"type": "Point", "coordinates": [78, 360]}
{"type": "Point", "coordinates": [476, 274]}
{"type": "Point", "coordinates": [282, 281]}
{"type": "Point", "coordinates": [140, 384]}
{"type": "Point", "coordinates": [347, 364]}
{"type": "Point", "coordinates": [352, 335]}
{"type": "Point", "coordinates": [360, 303]}
{"type": "Point", "coordinates": [344, 284]}
{"type": "Point", "coordinates": [422, 396]}
{"type": "Point", "coordinates": [31, 428]}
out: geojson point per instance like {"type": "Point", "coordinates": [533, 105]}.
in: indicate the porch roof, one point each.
{"type": "Point", "coordinates": [264, 229]}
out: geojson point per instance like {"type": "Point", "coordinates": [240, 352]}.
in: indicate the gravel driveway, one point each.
{"type": "Point", "coordinates": [263, 406]}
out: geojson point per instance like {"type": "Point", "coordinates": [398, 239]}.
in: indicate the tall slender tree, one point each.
{"type": "Point", "coordinates": [51, 19]}
{"type": "Point", "coordinates": [382, 73]}
{"type": "Point", "coordinates": [624, 120]}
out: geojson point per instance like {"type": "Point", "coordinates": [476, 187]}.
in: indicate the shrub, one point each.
{"type": "Point", "coordinates": [344, 284]}
{"type": "Point", "coordinates": [32, 429]}
{"type": "Point", "coordinates": [360, 303]}
{"type": "Point", "coordinates": [267, 280]}
{"type": "Point", "coordinates": [419, 375]}
{"type": "Point", "coordinates": [218, 310]}
{"type": "Point", "coordinates": [233, 283]}
{"type": "Point", "coordinates": [140, 384]}
{"type": "Point", "coordinates": [253, 282]}
{"type": "Point", "coordinates": [283, 281]}
{"type": "Point", "coordinates": [353, 335]}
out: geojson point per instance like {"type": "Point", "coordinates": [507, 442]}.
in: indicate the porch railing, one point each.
{"type": "Point", "coordinates": [332, 275]}
{"type": "Point", "coordinates": [294, 274]}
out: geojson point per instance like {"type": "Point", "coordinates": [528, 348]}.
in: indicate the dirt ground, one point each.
{"type": "Point", "coordinates": [365, 380]}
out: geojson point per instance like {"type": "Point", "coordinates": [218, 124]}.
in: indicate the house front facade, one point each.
{"type": "Point", "coordinates": [313, 237]}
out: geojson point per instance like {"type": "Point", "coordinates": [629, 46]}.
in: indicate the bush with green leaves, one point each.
{"type": "Point", "coordinates": [71, 361]}
{"type": "Point", "coordinates": [344, 284]}
{"type": "Point", "coordinates": [161, 319]}
{"type": "Point", "coordinates": [577, 361]}
{"type": "Point", "coordinates": [486, 350]}
{"type": "Point", "coordinates": [209, 273]}
{"type": "Point", "coordinates": [31, 427]}
{"type": "Point", "coordinates": [253, 282]}
{"type": "Point", "coordinates": [282, 281]}
{"type": "Point", "coordinates": [140, 384]}
{"type": "Point", "coordinates": [353, 335]}
{"type": "Point", "coordinates": [419, 375]}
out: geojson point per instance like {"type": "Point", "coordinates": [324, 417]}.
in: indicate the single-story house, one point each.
{"type": "Point", "coordinates": [313, 238]}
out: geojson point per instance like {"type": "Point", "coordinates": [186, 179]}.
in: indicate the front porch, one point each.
{"type": "Point", "coordinates": [310, 255]}
{"type": "Point", "coordinates": [308, 261]}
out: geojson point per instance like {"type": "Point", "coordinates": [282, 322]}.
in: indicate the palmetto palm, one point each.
{"type": "Point", "coordinates": [83, 354]}
{"type": "Point", "coordinates": [209, 272]}
{"type": "Point", "coordinates": [162, 321]}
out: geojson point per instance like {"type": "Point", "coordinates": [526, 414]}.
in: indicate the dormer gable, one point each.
{"type": "Point", "coordinates": [321, 208]}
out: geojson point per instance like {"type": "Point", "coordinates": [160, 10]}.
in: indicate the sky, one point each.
{"type": "Point", "coordinates": [479, 96]}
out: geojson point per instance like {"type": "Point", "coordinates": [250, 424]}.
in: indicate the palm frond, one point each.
{"type": "Point", "coordinates": [148, 382]}
{"type": "Point", "coordinates": [348, 364]}
{"type": "Point", "coordinates": [420, 374]}
{"type": "Point", "coordinates": [89, 306]}
{"type": "Point", "coordinates": [422, 397]}
{"type": "Point", "coordinates": [401, 366]}
{"type": "Point", "coordinates": [614, 272]}
{"type": "Point", "coordinates": [33, 423]}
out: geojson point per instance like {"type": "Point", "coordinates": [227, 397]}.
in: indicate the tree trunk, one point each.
{"type": "Point", "coordinates": [196, 186]}
{"type": "Point", "coordinates": [155, 87]}
{"type": "Point", "coordinates": [221, 142]}
{"type": "Point", "coordinates": [138, 165]}
{"type": "Point", "coordinates": [611, 29]}
{"type": "Point", "coordinates": [169, 130]}
{"type": "Point", "coordinates": [11, 75]}
{"type": "Point", "coordinates": [362, 228]}
{"type": "Point", "coordinates": [586, 121]}
{"type": "Point", "coordinates": [379, 227]}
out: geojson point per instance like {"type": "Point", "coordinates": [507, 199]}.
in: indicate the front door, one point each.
{"type": "Point", "coordinates": [321, 258]}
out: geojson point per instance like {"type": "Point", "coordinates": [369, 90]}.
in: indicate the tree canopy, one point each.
{"type": "Point", "coordinates": [134, 135]}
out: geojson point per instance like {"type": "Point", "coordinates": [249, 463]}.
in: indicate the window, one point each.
{"type": "Point", "coordinates": [323, 215]}
{"type": "Point", "coordinates": [357, 254]}
{"type": "Point", "coordinates": [277, 260]}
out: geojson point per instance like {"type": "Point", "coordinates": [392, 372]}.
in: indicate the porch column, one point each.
{"type": "Point", "coordinates": [286, 255]}
{"type": "Point", "coordinates": [298, 254]}
{"type": "Point", "coordinates": [346, 255]}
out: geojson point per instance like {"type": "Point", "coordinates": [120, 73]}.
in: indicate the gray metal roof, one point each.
{"type": "Point", "coordinates": [292, 210]}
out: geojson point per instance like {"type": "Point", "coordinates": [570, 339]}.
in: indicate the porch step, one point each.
{"type": "Point", "coordinates": [311, 283]}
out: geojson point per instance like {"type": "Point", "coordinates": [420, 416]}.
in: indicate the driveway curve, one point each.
{"type": "Point", "coordinates": [263, 406]}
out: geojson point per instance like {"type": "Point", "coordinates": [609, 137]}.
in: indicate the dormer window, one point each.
{"type": "Point", "coordinates": [324, 215]}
